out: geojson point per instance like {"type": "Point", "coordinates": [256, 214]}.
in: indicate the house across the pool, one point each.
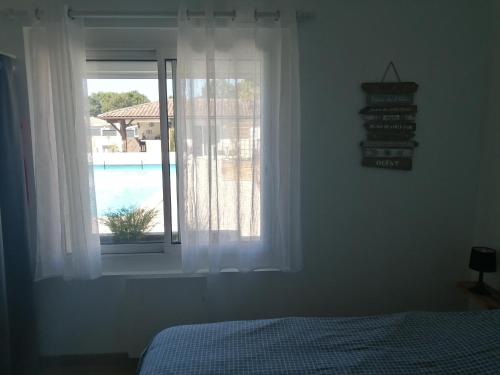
{"type": "Point", "coordinates": [137, 128]}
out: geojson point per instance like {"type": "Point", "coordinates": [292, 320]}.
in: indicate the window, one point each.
{"type": "Point", "coordinates": [237, 130]}
{"type": "Point", "coordinates": [134, 160]}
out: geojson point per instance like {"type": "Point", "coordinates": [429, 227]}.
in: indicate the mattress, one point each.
{"type": "Point", "coordinates": [406, 343]}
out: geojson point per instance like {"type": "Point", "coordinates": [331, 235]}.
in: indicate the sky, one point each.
{"type": "Point", "coordinates": [148, 87]}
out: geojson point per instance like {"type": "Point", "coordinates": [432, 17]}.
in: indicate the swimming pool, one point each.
{"type": "Point", "coordinates": [119, 186]}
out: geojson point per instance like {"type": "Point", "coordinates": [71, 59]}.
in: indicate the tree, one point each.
{"type": "Point", "coordinates": [226, 88]}
{"type": "Point", "coordinates": [246, 89]}
{"type": "Point", "coordinates": [130, 223]}
{"type": "Point", "coordinates": [101, 102]}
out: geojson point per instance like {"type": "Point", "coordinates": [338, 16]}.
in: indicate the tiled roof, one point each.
{"type": "Point", "coordinates": [140, 111]}
{"type": "Point", "coordinates": [224, 108]}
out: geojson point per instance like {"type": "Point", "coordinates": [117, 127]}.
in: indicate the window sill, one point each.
{"type": "Point", "coordinates": [167, 264]}
{"type": "Point", "coordinates": [151, 265]}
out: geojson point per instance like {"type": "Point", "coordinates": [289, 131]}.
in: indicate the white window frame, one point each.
{"type": "Point", "coordinates": [144, 258]}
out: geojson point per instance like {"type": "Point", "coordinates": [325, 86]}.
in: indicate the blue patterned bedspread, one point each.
{"type": "Point", "coordinates": [408, 343]}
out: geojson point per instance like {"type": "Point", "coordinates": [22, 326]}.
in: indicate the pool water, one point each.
{"type": "Point", "coordinates": [120, 186]}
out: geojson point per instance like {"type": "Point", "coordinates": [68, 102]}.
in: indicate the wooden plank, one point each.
{"type": "Point", "coordinates": [389, 136]}
{"type": "Point", "coordinates": [389, 110]}
{"type": "Point", "coordinates": [389, 99]}
{"type": "Point", "coordinates": [388, 163]}
{"type": "Point", "coordinates": [389, 87]}
{"type": "Point", "coordinates": [393, 117]}
{"type": "Point", "coordinates": [391, 126]}
{"type": "Point", "coordinates": [389, 144]}
{"type": "Point", "coordinates": [372, 152]}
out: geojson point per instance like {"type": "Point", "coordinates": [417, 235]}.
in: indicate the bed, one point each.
{"type": "Point", "coordinates": [406, 343]}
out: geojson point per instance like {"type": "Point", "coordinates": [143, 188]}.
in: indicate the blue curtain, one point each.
{"type": "Point", "coordinates": [17, 314]}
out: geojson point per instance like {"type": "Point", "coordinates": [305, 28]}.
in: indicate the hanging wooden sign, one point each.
{"type": "Point", "coordinates": [390, 123]}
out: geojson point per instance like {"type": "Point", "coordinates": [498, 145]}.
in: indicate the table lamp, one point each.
{"type": "Point", "coordinates": [482, 259]}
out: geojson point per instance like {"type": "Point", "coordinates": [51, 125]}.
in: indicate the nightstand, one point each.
{"type": "Point", "coordinates": [489, 302]}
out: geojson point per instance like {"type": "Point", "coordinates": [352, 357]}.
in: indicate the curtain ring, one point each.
{"type": "Point", "coordinates": [277, 16]}
{"type": "Point", "coordinates": [70, 13]}
{"type": "Point", "coordinates": [37, 14]}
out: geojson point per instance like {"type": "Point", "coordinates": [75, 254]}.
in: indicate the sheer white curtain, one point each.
{"type": "Point", "coordinates": [67, 233]}
{"type": "Point", "coordinates": [239, 142]}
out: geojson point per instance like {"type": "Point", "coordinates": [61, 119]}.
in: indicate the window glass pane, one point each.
{"type": "Point", "coordinates": [126, 146]}
{"type": "Point", "coordinates": [170, 74]}
{"type": "Point", "coordinates": [224, 154]}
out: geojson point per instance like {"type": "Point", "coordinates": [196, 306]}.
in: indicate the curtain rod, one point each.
{"type": "Point", "coordinates": [72, 13]}
{"type": "Point", "coordinates": [14, 14]}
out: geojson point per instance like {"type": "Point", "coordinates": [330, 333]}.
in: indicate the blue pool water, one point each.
{"type": "Point", "coordinates": [119, 186]}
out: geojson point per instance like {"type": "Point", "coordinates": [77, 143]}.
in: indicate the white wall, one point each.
{"type": "Point", "coordinates": [488, 214]}
{"type": "Point", "coordinates": [375, 241]}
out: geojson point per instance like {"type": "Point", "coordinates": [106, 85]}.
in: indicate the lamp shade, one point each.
{"type": "Point", "coordinates": [483, 259]}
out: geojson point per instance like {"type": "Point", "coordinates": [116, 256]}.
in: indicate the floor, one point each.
{"type": "Point", "coordinates": [89, 365]}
